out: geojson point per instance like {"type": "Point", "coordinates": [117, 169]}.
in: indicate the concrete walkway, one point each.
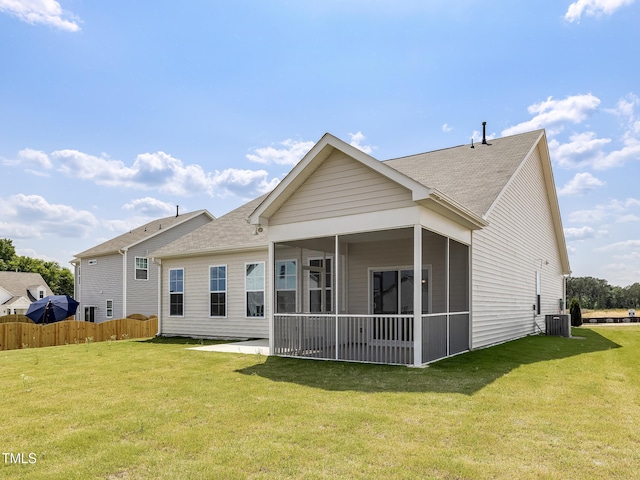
{"type": "Point", "coordinates": [253, 347]}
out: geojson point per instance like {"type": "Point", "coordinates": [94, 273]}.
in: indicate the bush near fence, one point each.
{"type": "Point", "coordinates": [17, 335]}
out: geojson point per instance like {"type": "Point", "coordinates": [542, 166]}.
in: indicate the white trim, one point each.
{"type": "Point", "coordinates": [106, 312]}
{"type": "Point", "coordinates": [272, 292]}
{"type": "Point", "coordinates": [264, 290]}
{"type": "Point", "coordinates": [135, 268]}
{"type": "Point", "coordinates": [170, 292]}
{"type": "Point", "coordinates": [275, 283]}
{"type": "Point", "coordinates": [226, 295]}
{"type": "Point", "coordinates": [417, 294]}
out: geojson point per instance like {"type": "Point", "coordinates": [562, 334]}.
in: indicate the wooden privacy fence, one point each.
{"type": "Point", "coordinates": [29, 335]}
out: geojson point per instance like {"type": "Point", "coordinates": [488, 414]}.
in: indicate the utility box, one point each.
{"type": "Point", "coordinates": [559, 325]}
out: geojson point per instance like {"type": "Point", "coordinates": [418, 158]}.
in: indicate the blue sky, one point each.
{"type": "Point", "coordinates": [111, 113]}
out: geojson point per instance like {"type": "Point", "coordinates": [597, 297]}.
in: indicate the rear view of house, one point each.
{"type": "Point", "coordinates": [402, 262]}
{"type": "Point", "coordinates": [117, 278]}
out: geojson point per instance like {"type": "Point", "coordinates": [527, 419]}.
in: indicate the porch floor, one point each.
{"type": "Point", "coordinates": [251, 347]}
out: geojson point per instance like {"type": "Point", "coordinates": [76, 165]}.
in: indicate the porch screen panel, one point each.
{"type": "Point", "coordinates": [458, 277]}
{"type": "Point", "coordinates": [385, 292]}
{"type": "Point", "coordinates": [434, 337]}
{"type": "Point", "coordinates": [458, 333]}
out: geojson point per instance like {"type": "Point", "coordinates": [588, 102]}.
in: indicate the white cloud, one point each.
{"type": "Point", "coordinates": [290, 152]}
{"type": "Point", "coordinates": [581, 184]}
{"type": "Point", "coordinates": [356, 141]}
{"type": "Point", "coordinates": [626, 244]}
{"type": "Point", "coordinates": [616, 209]}
{"type": "Point", "coordinates": [48, 12]}
{"type": "Point", "coordinates": [150, 207]}
{"type": "Point", "coordinates": [31, 159]}
{"type": "Point", "coordinates": [552, 114]}
{"type": "Point", "coordinates": [617, 158]}
{"type": "Point", "coordinates": [246, 184]}
{"type": "Point", "coordinates": [582, 149]}
{"type": "Point", "coordinates": [581, 233]}
{"type": "Point", "coordinates": [593, 8]}
{"type": "Point", "coordinates": [446, 128]}
{"type": "Point", "coordinates": [164, 173]}
{"type": "Point", "coordinates": [32, 216]}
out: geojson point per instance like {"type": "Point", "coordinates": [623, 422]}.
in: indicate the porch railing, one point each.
{"type": "Point", "coordinates": [387, 339]}
{"type": "Point", "coordinates": [359, 338]}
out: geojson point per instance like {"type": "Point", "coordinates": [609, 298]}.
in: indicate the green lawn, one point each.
{"type": "Point", "coordinates": [539, 407]}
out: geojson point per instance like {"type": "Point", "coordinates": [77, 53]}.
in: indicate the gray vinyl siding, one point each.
{"type": "Point", "coordinates": [196, 321]}
{"type": "Point", "coordinates": [99, 283]}
{"type": "Point", "coordinates": [142, 295]}
{"type": "Point", "coordinates": [519, 241]}
{"type": "Point", "coordinates": [341, 186]}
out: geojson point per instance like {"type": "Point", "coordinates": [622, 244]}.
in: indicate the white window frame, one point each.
{"type": "Point", "coordinates": [226, 296]}
{"type": "Point", "coordinates": [263, 290]}
{"type": "Point", "coordinates": [275, 283]}
{"type": "Point", "coordinates": [135, 268]}
{"type": "Point", "coordinates": [107, 308]}
{"type": "Point", "coordinates": [329, 288]}
{"type": "Point", "coordinates": [177, 292]}
{"type": "Point", "coordinates": [427, 267]}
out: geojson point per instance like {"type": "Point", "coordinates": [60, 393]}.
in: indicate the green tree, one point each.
{"type": "Point", "coordinates": [576, 313]}
{"type": "Point", "coordinates": [7, 253]}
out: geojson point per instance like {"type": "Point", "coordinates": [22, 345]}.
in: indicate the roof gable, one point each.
{"type": "Point", "coordinates": [141, 234]}
{"type": "Point", "coordinates": [420, 192]}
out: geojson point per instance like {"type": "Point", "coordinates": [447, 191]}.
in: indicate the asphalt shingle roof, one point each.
{"type": "Point", "coordinates": [18, 283]}
{"type": "Point", "coordinates": [473, 177]}
{"type": "Point", "coordinates": [137, 235]}
{"type": "Point", "coordinates": [229, 231]}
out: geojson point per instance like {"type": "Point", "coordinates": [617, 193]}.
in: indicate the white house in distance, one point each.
{"type": "Point", "coordinates": [117, 278]}
{"type": "Point", "coordinates": [404, 261]}
{"type": "Point", "coordinates": [18, 290]}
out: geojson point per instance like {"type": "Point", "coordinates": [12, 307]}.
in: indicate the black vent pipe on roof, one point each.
{"type": "Point", "coordinates": [484, 133]}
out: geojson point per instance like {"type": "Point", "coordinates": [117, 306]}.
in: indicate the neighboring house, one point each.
{"type": "Point", "coordinates": [18, 290]}
{"type": "Point", "coordinates": [117, 278]}
{"type": "Point", "coordinates": [404, 261]}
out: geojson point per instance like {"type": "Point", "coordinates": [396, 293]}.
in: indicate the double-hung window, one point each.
{"type": "Point", "coordinates": [218, 290]}
{"type": "Point", "coordinates": [254, 287]}
{"type": "Point", "coordinates": [109, 308]}
{"type": "Point", "coordinates": [176, 292]}
{"type": "Point", "coordinates": [142, 268]}
{"type": "Point", "coordinates": [286, 285]}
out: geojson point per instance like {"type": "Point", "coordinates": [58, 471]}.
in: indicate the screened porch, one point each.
{"type": "Point", "coordinates": [355, 297]}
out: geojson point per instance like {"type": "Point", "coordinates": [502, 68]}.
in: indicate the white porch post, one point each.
{"type": "Point", "coordinates": [417, 295]}
{"type": "Point", "coordinates": [337, 280]}
{"type": "Point", "coordinates": [448, 293]}
{"type": "Point", "coordinates": [271, 289]}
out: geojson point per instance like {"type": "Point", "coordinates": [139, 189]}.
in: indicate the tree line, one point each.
{"type": "Point", "coordinates": [596, 293]}
{"type": "Point", "coordinates": [59, 279]}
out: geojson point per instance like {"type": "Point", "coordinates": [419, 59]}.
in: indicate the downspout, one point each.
{"type": "Point", "coordinates": [158, 262]}
{"type": "Point", "coordinates": [124, 282]}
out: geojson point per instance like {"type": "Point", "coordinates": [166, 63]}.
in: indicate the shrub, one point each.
{"type": "Point", "coordinates": [576, 313]}
{"type": "Point", "coordinates": [137, 316]}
